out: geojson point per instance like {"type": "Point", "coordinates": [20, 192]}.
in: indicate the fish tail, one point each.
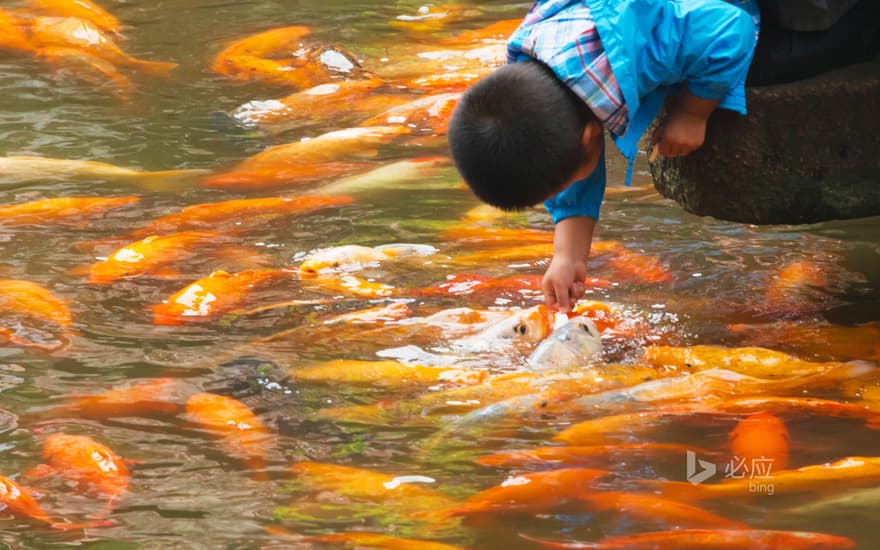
{"type": "Point", "coordinates": [167, 181]}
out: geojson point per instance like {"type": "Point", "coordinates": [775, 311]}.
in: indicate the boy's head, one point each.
{"type": "Point", "coordinates": [519, 136]}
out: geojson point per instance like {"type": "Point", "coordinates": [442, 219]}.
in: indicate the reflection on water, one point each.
{"type": "Point", "coordinates": [376, 444]}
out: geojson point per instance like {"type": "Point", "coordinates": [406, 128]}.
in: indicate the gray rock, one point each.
{"type": "Point", "coordinates": [808, 151]}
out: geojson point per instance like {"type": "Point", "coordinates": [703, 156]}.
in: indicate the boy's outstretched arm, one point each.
{"type": "Point", "coordinates": [563, 283]}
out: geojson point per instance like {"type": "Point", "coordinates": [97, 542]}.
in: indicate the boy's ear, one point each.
{"type": "Point", "coordinates": [592, 129]}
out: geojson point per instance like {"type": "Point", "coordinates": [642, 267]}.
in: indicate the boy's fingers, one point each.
{"type": "Point", "coordinates": [562, 298]}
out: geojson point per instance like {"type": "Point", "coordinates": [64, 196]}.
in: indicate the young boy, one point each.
{"type": "Point", "coordinates": [532, 130]}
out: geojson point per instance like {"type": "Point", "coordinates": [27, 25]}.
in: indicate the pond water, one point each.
{"type": "Point", "coordinates": [812, 292]}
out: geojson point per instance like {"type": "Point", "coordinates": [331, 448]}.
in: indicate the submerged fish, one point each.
{"type": "Point", "coordinates": [429, 114]}
{"type": "Point", "coordinates": [138, 399]}
{"type": "Point", "coordinates": [24, 308]}
{"type": "Point", "coordinates": [23, 169]}
{"type": "Point", "coordinates": [235, 424]}
{"type": "Point", "coordinates": [650, 508]}
{"type": "Point", "coordinates": [761, 436]}
{"type": "Point", "coordinates": [59, 210]}
{"type": "Point", "coordinates": [572, 345]}
{"type": "Point", "coordinates": [12, 33]}
{"type": "Point", "coordinates": [363, 539]}
{"type": "Point", "coordinates": [406, 174]}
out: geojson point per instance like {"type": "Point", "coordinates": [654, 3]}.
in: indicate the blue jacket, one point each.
{"type": "Point", "coordinates": [654, 47]}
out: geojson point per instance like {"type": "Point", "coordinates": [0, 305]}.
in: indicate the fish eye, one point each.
{"type": "Point", "coordinates": [520, 328]}
{"type": "Point", "coordinates": [585, 327]}
{"type": "Point", "coordinates": [335, 264]}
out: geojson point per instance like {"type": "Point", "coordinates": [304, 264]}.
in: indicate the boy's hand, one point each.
{"type": "Point", "coordinates": [563, 283]}
{"type": "Point", "coordinates": [680, 134]}
{"type": "Point", "coordinates": [685, 128]}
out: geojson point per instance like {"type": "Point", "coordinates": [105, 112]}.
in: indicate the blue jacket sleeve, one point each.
{"type": "Point", "coordinates": [581, 198]}
{"type": "Point", "coordinates": [716, 50]}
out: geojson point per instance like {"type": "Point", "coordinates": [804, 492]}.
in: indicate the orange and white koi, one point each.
{"type": "Point", "coordinates": [59, 210]}
{"type": "Point", "coordinates": [525, 327]}
{"type": "Point", "coordinates": [218, 293]}
{"type": "Point", "coordinates": [401, 174]}
{"type": "Point", "coordinates": [84, 460]}
{"type": "Point", "coordinates": [81, 9]}
{"type": "Point", "coordinates": [72, 32]}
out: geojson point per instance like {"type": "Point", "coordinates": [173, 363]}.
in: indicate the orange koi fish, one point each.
{"type": "Point", "coordinates": [534, 253]}
{"type": "Point", "coordinates": [151, 397]}
{"type": "Point", "coordinates": [84, 460]}
{"type": "Point", "coordinates": [867, 389]}
{"type": "Point", "coordinates": [59, 210]}
{"type": "Point", "coordinates": [357, 99]}
{"type": "Point", "coordinates": [385, 373]}
{"type": "Point", "coordinates": [427, 114]}
{"type": "Point", "coordinates": [361, 539]}
{"type": "Point", "coordinates": [18, 500]}
{"type": "Point", "coordinates": [711, 539]}
{"type": "Point", "coordinates": [150, 256]}
{"type": "Point", "coordinates": [852, 471]}
{"type": "Point", "coordinates": [408, 492]}
{"type": "Point", "coordinates": [236, 213]}
{"type": "Point", "coordinates": [20, 169]}
{"type": "Point", "coordinates": [588, 455]}
{"type": "Point", "coordinates": [468, 284]}
{"type": "Point", "coordinates": [759, 436]}
{"type": "Point", "coordinates": [72, 32]}
{"type": "Point", "coordinates": [242, 431]}
{"type": "Point", "coordinates": [760, 362]}
{"type": "Point", "coordinates": [218, 293]}
{"type": "Point", "coordinates": [12, 37]}
{"type": "Point", "coordinates": [470, 233]}
{"type": "Point", "coordinates": [650, 508]}
{"type": "Point", "coordinates": [533, 493]}
{"type": "Point", "coordinates": [81, 9]}
{"type": "Point", "coordinates": [312, 159]}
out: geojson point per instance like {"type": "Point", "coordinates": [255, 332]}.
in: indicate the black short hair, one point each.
{"type": "Point", "coordinates": [515, 135]}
